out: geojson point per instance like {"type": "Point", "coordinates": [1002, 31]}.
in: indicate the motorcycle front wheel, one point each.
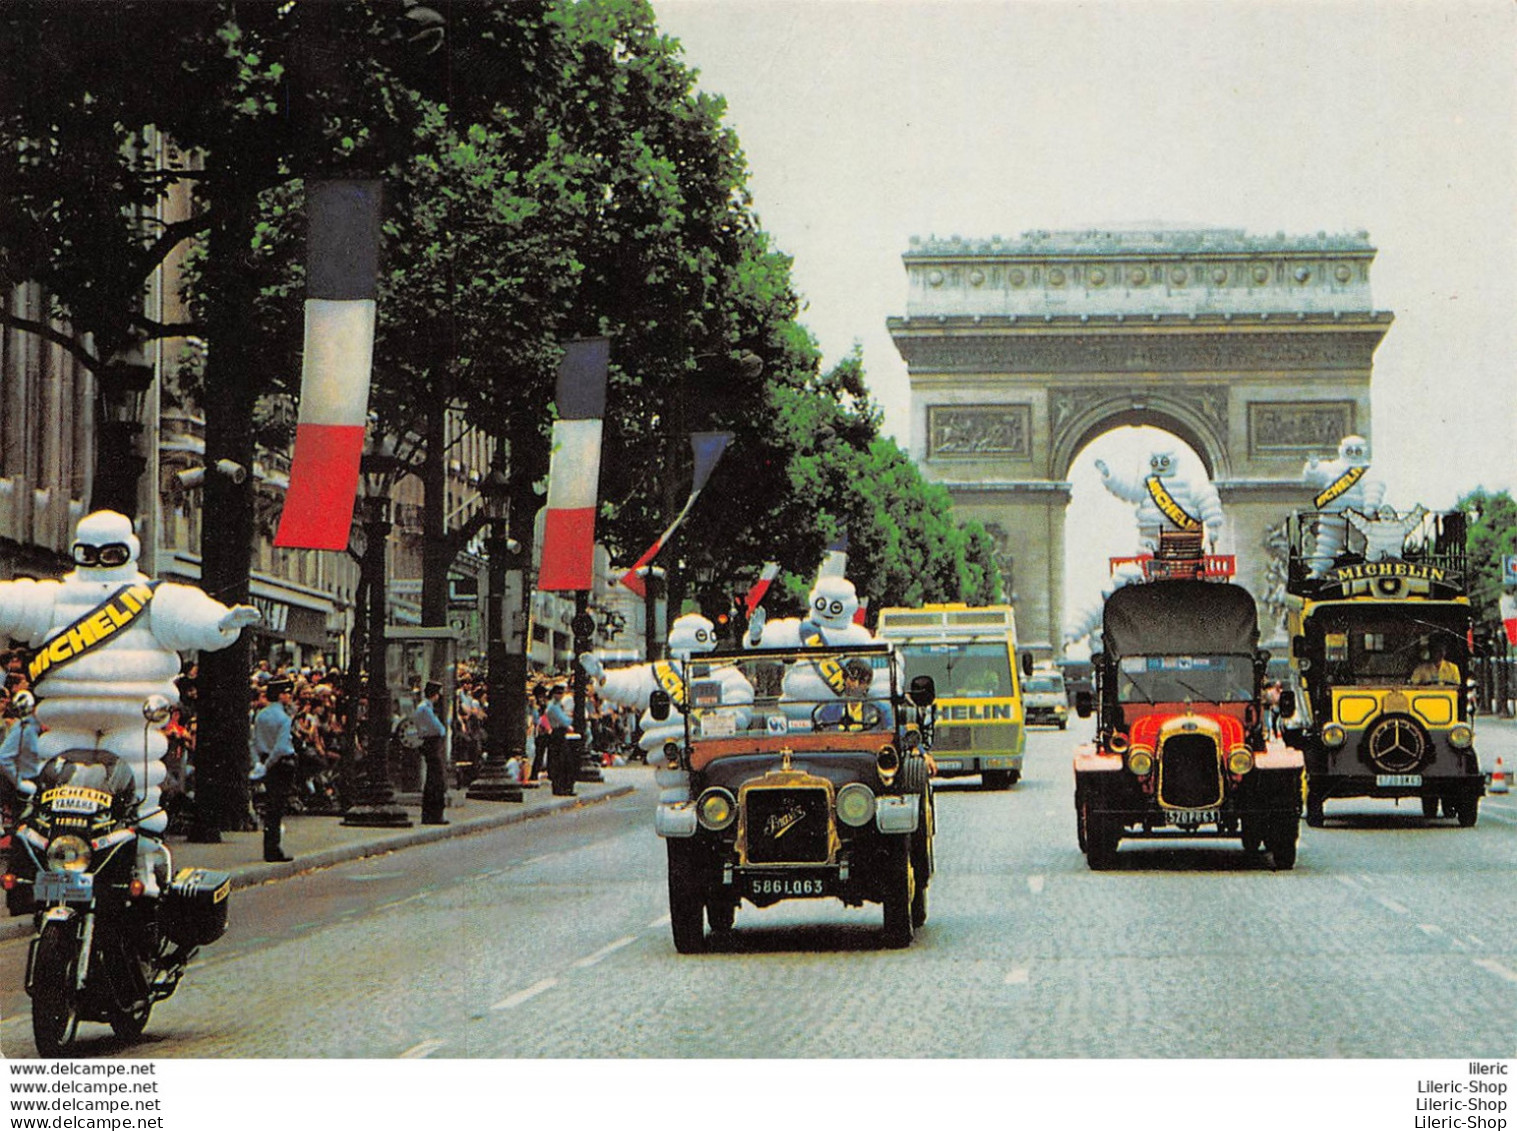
{"type": "Point", "coordinates": [55, 995]}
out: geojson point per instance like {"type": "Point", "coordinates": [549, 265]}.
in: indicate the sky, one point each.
{"type": "Point", "coordinates": [868, 122]}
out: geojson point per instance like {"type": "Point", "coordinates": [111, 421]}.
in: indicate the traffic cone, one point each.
{"type": "Point", "coordinates": [1499, 784]}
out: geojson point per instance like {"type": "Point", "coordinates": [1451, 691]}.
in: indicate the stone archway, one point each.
{"type": "Point", "coordinates": [1257, 352]}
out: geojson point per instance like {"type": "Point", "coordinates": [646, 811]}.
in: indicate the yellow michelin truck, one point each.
{"type": "Point", "coordinates": [1380, 631]}
{"type": "Point", "coordinates": [971, 654]}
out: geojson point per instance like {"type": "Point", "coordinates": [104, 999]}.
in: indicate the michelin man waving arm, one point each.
{"type": "Point", "coordinates": [690, 635]}
{"type": "Point", "coordinates": [1166, 498]}
{"type": "Point", "coordinates": [104, 638]}
{"type": "Point", "coordinates": [1340, 484]}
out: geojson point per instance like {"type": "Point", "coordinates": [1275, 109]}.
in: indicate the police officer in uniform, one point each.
{"type": "Point", "coordinates": [430, 729]}
{"type": "Point", "coordinates": [275, 750]}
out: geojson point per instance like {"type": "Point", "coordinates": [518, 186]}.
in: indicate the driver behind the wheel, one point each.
{"type": "Point", "coordinates": [855, 710]}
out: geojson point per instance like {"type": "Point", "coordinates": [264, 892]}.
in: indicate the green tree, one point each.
{"type": "Point", "coordinates": [1492, 517]}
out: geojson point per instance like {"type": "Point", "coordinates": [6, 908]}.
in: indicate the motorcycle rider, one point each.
{"type": "Point", "coordinates": [275, 750]}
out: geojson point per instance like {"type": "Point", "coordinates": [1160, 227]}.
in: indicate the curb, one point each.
{"type": "Point", "coordinates": [256, 873]}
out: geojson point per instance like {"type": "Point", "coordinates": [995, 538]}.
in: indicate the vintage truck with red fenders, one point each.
{"type": "Point", "coordinates": [1180, 746]}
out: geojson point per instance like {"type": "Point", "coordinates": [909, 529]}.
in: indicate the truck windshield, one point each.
{"type": "Point", "coordinates": [1175, 679]}
{"type": "Point", "coordinates": [1043, 685]}
{"type": "Point", "coordinates": [963, 671]}
{"type": "Point", "coordinates": [1396, 644]}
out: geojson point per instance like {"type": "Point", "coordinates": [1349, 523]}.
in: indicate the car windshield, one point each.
{"type": "Point", "coordinates": [776, 693]}
{"type": "Point", "coordinates": [1045, 685]}
{"type": "Point", "coordinates": [1397, 644]}
{"type": "Point", "coordinates": [962, 671]}
{"type": "Point", "coordinates": [1176, 679]}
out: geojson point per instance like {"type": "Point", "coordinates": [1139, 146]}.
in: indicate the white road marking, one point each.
{"type": "Point", "coordinates": [661, 921]}
{"type": "Point", "coordinates": [372, 876]}
{"type": "Point", "coordinates": [1430, 929]}
{"type": "Point", "coordinates": [1035, 884]}
{"type": "Point", "coordinates": [1019, 976]}
{"type": "Point", "coordinates": [426, 1048]}
{"type": "Point", "coordinates": [1348, 882]}
{"type": "Point", "coordinates": [525, 995]}
{"type": "Point", "coordinates": [609, 948]}
{"type": "Point", "coordinates": [1494, 967]}
{"type": "Point", "coordinates": [1476, 942]}
{"type": "Point", "coordinates": [1389, 904]}
{"type": "Point", "coordinates": [402, 902]}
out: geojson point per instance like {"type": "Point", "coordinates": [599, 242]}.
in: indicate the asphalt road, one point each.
{"type": "Point", "coordinates": [1392, 938]}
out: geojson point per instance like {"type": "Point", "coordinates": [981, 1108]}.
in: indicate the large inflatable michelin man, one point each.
{"type": "Point", "coordinates": [104, 639]}
{"type": "Point", "coordinates": [1167, 500]}
{"type": "Point", "coordinates": [689, 635]}
{"type": "Point", "coordinates": [1342, 484]}
{"type": "Point", "coordinates": [829, 621]}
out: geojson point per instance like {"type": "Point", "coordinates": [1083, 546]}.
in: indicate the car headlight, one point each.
{"type": "Point", "coordinates": [715, 809]}
{"type": "Point", "coordinates": [1334, 735]}
{"type": "Point", "coordinates": [1117, 743]}
{"type": "Point", "coordinates": [1240, 761]}
{"type": "Point", "coordinates": [68, 854]}
{"type": "Point", "coordinates": [1461, 736]}
{"type": "Point", "coordinates": [855, 804]}
{"type": "Point", "coordinates": [1140, 762]}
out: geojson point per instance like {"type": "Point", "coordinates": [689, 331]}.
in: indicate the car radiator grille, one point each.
{"type": "Point", "coordinates": [952, 738]}
{"type": "Point", "coordinates": [1189, 774]}
{"type": "Point", "coordinates": [791, 825]}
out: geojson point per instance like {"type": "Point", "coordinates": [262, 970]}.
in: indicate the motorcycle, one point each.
{"type": "Point", "coordinates": [105, 949]}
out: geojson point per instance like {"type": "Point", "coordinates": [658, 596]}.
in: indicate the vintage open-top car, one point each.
{"type": "Point", "coordinates": [1180, 745]}
{"type": "Point", "coordinates": [802, 775]}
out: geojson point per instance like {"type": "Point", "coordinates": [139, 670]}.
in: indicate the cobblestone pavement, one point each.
{"type": "Point", "coordinates": [1392, 938]}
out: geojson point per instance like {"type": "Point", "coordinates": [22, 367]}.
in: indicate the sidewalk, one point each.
{"type": "Point", "coordinates": [319, 842]}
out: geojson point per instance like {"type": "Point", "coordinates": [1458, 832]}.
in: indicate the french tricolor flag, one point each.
{"type": "Point", "coordinates": [706, 449]}
{"type": "Point", "coordinates": [760, 587]}
{"type": "Point", "coordinates": [574, 467]}
{"type": "Point", "coordinates": [342, 270]}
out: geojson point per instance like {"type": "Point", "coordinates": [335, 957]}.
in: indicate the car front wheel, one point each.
{"type": "Point", "coordinates": [687, 898]}
{"type": "Point", "coordinates": [900, 893]}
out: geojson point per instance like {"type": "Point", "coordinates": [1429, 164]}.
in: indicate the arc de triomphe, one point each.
{"type": "Point", "coordinates": [1256, 351]}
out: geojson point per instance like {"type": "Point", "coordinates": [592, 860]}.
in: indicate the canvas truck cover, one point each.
{"type": "Point", "coordinates": [1179, 618]}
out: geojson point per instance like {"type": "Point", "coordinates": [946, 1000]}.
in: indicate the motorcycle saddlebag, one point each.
{"type": "Point", "coordinates": [195, 906]}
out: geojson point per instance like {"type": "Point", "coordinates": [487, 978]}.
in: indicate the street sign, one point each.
{"type": "Point", "coordinates": [1509, 569]}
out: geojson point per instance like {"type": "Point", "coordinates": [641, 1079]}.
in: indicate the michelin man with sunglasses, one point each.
{"type": "Point", "coordinates": [104, 638]}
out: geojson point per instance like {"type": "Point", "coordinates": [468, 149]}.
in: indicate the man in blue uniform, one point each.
{"type": "Point", "coordinates": [430, 729]}
{"type": "Point", "coordinates": [275, 751]}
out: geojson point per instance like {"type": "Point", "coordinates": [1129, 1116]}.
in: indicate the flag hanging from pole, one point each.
{"type": "Point", "coordinates": [342, 271]}
{"type": "Point", "coordinates": [760, 587]}
{"type": "Point", "coordinates": [707, 447]}
{"type": "Point", "coordinates": [568, 560]}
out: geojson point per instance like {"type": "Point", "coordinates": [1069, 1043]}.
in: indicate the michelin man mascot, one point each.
{"type": "Point", "coordinates": [829, 621]}
{"type": "Point", "coordinates": [689, 635]}
{"type": "Point", "coordinates": [1167, 500]}
{"type": "Point", "coordinates": [105, 638]}
{"type": "Point", "coordinates": [1342, 484]}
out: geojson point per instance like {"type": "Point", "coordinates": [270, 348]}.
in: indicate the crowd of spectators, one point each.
{"type": "Point", "coordinates": [321, 723]}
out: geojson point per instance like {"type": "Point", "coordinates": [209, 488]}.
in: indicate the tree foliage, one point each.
{"type": "Point", "coordinates": [1492, 536]}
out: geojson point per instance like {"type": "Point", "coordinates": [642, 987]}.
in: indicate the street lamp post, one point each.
{"type": "Point", "coordinates": [654, 632]}
{"type": "Point", "coordinates": [503, 734]}
{"type": "Point", "coordinates": [376, 807]}
{"type": "Point", "coordinates": [123, 389]}
{"type": "Point", "coordinates": [583, 626]}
